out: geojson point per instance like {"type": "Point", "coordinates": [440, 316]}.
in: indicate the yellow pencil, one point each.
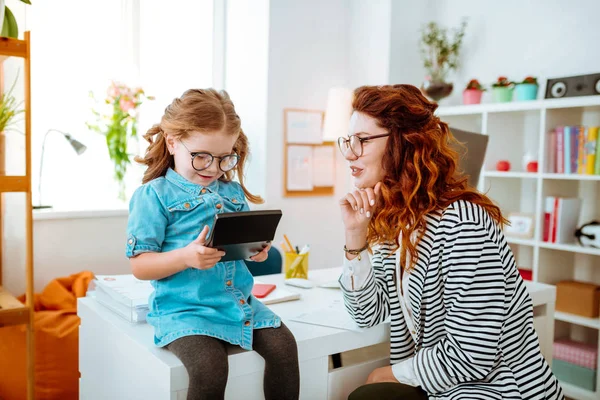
{"type": "Point", "coordinates": [285, 247]}
{"type": "Point", "coordinates": [288, 243]}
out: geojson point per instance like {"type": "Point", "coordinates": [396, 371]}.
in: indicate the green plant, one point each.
{"type": "Point", "coordinates": [440, 52]}
{"type": "Point", "coordinates": [9, 108]}
{"type": "Point", "coordinates": [502, 82]}
{"type": "Point", "coordinates": [529, 80]}
{"type": "Point", "coordinates": [9, 22]}
{"type": "Point", "coordinates": [475, 85]}
{"type": "Point", "coordinates": [118, 122]}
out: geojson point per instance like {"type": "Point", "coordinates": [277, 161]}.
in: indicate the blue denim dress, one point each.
{"type": "Point", "coordinates": [168, 213]}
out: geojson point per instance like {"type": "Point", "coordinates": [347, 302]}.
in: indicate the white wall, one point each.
{"type": "Point", "coordinates": [369, 40]}
{"type": "Point", "coordinates": [517, 38]}
{"type": "Point", "coordinates": [246, 79]}
{"type": "Point", "coordinates": [308, 55]}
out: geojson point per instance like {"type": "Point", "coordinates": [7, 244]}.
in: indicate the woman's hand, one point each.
{"type": "Point", "coordinates": [263, 255]}
{"type": "Point", "coordinates": [198, 256]}
{"type": "Point", "coordinates": [383, 374]}
{"type": "Point", "coordinates": [358, 206]}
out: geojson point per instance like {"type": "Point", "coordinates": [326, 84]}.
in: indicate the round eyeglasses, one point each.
{"type": "Point", "coordinates": [354, 144]}
{"type": "Point", "coordinates": [202, 160]}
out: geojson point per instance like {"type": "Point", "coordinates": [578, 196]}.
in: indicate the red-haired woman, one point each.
{"type": "Point", "coordinates": [428, 251]}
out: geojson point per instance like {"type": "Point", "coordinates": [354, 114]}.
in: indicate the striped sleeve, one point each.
{"type": "Point", "coordinates": [474, 302]}
{"type": "Point", "coordinates": [369, 303]}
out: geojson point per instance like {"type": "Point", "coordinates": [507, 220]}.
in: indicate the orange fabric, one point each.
{"type": "Point", "coordinates": [56, 344]}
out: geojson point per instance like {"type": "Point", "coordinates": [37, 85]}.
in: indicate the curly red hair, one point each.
{"type": "Point", "coordinates": [421, 166]}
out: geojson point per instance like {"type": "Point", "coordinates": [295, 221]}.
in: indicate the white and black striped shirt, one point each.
{"type": "Point", "coordinates": [472, 314]}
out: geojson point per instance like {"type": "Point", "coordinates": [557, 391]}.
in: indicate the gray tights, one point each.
{"type": "Point", "coordinates": [205, 359]}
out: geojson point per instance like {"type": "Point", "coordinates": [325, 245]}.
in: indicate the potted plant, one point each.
{"type": "Point", "coordinates": [502, 90]}
{"type": "Point", "coordinates": [118, 122]}
{"type": "Point", "coordinates": [440, 54]}
{"type": "Point", "coordinates": [527, 90]}
{"type": "Point", "coordinates": [472, 93]}
{"type": "Point", "coordinates": [10, 108]}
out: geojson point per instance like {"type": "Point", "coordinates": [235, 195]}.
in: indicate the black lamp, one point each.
{"type": "Point", "coordinates": [79, 148]}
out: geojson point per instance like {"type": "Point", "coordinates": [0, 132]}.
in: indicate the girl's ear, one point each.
{"type": "Point", "coordinates": [171, 143]}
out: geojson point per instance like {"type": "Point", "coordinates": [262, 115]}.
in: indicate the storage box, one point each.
{"type": "Point", "coordinates": [582, 354]}
{"type": "Point", "coordinates": [584, 378]}
{"type": "Point", "coordinates": [580, 298]}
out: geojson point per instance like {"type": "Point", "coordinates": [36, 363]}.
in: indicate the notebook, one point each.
{"type": "Point", "coordinates": [279, 295]}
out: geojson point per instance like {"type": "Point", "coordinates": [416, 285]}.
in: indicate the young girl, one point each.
{"type": "Point", "coordinates": [199, 303]}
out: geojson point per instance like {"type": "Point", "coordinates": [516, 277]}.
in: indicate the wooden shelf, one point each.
{"type": "Point", "coordinates": [572, 177]}
{"type": "Point", "coordinates": [12, 311]}
{"type": "Point", "coordinates": [577, 392]}
{"type": "Point", "coordinates": [524, 242]}
{"type": "Point", "coordinates": [520, 106]}
{"type": "Point", "coordinates": [10, 47]}
{"type": "Point", "coordinates": [509, 174]}
{"type": "Point", "coordinates": [14, 184]}
{"type": "Point", "coordinates": [577, 319]}
{"type": "Point", "coordinates": [574, 248]}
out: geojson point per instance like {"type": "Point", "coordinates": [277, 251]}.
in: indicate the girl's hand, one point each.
{"type": "Point", "coordinates": [196, 255]}
{"type": "Point", "coordinates": [263, 255]}
{"type": "Point", "coordinates": [357, 208]}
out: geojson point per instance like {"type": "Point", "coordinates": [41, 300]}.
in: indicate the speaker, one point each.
{"type": "Point", "coordinates": [572, 86]}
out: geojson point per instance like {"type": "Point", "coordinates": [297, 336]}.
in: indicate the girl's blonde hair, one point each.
{"type": "Point", "coordinates": [204, 110]}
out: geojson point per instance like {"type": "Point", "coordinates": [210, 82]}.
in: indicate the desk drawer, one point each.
{"type": "Point", "coordinates": [342, 381]}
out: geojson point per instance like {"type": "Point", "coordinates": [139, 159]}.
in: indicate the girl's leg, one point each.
{"type": "Point", "coordinates": [278, 348]}
{"type": "Point", "coordinates": [205, 359]}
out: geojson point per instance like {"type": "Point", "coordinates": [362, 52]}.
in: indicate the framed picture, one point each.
{"type": "Point", "coordinates": [521, 225]}
{"type": "Point", "coordinates": [303, 126]}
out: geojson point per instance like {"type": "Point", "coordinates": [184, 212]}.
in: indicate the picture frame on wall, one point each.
{"type": "Point", "coordinates": [521, 225]}
{"type": "Point", "coordinates": [303, 126]}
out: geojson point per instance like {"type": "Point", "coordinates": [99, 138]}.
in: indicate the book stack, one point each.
{"type": "Point", "coordinates": [561, 216]}
{"type": "Point", "coordinates": [575, 363]}
{"type": "Point", "coordinates": [574, 150]}
{"type": "Point", "coordinates": [124, 295]}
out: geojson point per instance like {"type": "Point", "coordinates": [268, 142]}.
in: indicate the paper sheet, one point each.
{"type": "Point", "coordinates": [304, 127]}
{"type": "Point", "coordinates": [333, 315]}
{"type": "Point", "coordinates": [299, 168]}
{"type": "Point", "coordinates": [324, 166]}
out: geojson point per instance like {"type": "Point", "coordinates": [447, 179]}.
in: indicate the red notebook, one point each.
{"type": "Point", "coordinates": [261, 290]}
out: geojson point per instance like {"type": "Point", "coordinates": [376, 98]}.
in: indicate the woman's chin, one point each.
{"type": "Point", "coordinates": [362, 183]}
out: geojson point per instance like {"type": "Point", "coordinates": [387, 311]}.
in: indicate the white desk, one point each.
{"type": "Point", "coordinates": [118, 360]}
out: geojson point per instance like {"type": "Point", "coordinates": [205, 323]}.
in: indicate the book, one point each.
{"type": "Point", "coordinates": [597, 163]}
{"type": "Point", "coordinates": [279, 295]}
{"type": "Point", "coordinates": [560, 150]}
{"type": "Point", "coordinates": [125, 295]}
{"type": "Point", "coordinates": [590, 149]}
{"type": "Point", "coordinates": [551, 165]}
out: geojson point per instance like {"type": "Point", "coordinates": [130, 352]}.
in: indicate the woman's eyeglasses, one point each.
{"type": "Point", "coordinates": [354, 143]}
{"type": "Point", "coordinates": [202, 160]}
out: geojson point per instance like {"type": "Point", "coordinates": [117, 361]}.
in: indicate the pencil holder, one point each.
{"type": "Point", "coordinates": [296, 265]}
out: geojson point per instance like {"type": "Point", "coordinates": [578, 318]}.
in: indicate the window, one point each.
{"type": "Point", "coordinates": [78, 47]}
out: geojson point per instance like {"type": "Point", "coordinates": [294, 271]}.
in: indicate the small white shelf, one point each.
{"type": "Point", "coordinates": [524, 242]}
{"type": "Point", "coordinates": [577, 392]}
{"type": "Point", "coordinates": [516, 106]}
{"type": "Point", "coordinates": [575, 248]}
{"type": "Point", "coordinates": [572, 177]}
{"type": "Point", "coordinates": [578, 320]}
{"type": "Point", "coordinates": [509, 174]}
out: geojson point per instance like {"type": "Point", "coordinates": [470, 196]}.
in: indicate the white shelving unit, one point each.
{"type": "Point", "coordinates": [517, 128]}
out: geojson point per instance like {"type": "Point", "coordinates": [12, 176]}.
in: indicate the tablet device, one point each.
{"type": "Point", "coordinates": [243, 234]}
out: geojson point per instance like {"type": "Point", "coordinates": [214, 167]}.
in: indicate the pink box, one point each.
{"type": "Point", "coordinates": [582, 354]}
